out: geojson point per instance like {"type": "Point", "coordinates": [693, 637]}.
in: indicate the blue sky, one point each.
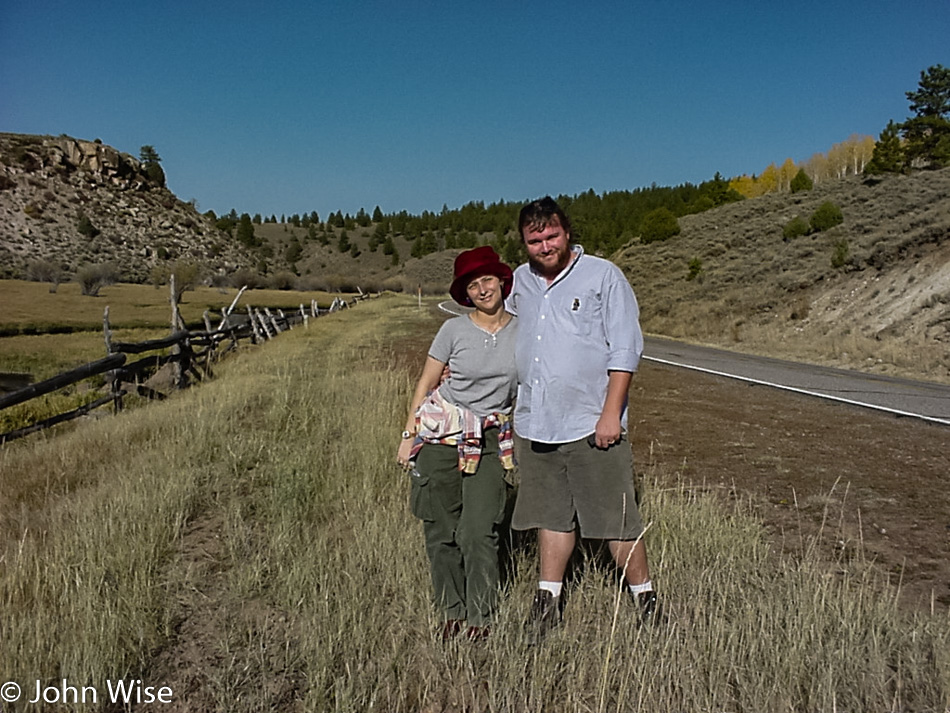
{"type": "Point", "coordinates": [290, 107]}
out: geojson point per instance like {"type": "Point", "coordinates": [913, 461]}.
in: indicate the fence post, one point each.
{"type": "Point", "coordinates": [113, 375]}
{"type": "Point", "coordinates": [179, 372]}
{"type": "Point", "coordinates": [258, 339]}
{"type": "Point", "coordinates": [277, 329]}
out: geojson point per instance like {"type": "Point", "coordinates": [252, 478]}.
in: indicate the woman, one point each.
{"type": "Point", "coordinates": [458, 435]}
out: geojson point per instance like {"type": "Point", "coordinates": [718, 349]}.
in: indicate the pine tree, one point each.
{"type": "Point", "coordinates": [801, 182]}
{"type": "Point", "coordinates": [343, 244]}
{"type": "Point", "coordinates": [888, 154]}
{"type": "Point", "coordinates": [245, 232]}
{"type": "Point", "coordinates": [152, 163]}
{"type": "Point", "coordinates": [928, 133]}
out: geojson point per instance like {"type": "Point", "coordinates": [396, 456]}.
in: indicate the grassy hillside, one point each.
{"type": "Point", "coordinates": [885, 308]}
{"type": "Point", "coordinates": [326, 267]}
{"type": "Point", "coordinates": [248, 544]}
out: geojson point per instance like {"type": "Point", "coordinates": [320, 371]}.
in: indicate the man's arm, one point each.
{"type": "Point", "coordinates": [608, 428]}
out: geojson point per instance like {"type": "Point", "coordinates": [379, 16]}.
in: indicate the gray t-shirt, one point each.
{"type": "Point", "coordinates": [483, 376]}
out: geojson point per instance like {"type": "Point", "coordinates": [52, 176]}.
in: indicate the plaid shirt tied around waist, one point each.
{"type": "Point", "coordinates": [438, 421]}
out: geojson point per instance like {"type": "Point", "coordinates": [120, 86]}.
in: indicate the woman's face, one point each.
{"type": "Point", "coordinates": [485, 293]}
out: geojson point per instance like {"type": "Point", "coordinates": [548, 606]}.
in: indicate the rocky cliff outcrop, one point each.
{"type": "Point", "coordinates": [49, 185]}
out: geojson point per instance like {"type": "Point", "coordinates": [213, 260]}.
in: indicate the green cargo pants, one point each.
{"type": "Point", "coordinates": [460, 516]}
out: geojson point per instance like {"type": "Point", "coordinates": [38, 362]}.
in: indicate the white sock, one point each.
{"type": "Point", "coordinates": [636, 589]}
{"type": "Point", "coordinates": [553, 587]}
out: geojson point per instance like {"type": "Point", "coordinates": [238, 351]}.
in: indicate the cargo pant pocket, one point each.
{"type": "Point", "coordinates": [420, 497]}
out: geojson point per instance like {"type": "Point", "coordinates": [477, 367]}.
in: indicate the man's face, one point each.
{"type": "Point", "coordinates": [548, 247]}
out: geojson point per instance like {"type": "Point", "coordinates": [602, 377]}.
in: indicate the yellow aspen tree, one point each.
{"type": "Point", "coordinates": [865, 151]}
{"type": "Point", "coordinates": [854, 154]}
{"type": "Point", "coordinates": [838, 160]}
{"type": "Point", "coordinates": [818, 168]}
{"type": "Point", "coordinates": [745, 185]}
{"type": "Point", "coordinates": [785, 175]}
{"type": "Point", "coordinates": [768, 180]}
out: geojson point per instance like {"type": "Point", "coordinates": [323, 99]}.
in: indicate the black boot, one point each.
{"type": "Point", "coordinates": [651, 612]}
{"type": "Point", "coordinates": [545, 616]}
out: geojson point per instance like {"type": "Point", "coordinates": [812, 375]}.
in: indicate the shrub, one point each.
{"type": "Point", "coordinates": [246, 276]}
{"type": "Point", "coordinates": [795, 228]}
{"type": "Point", "coordinates": [187, 276]}
{"type": "Point", "coordinates": [85, 226]}
{"type": "Point", "coordinates": [826, 216]}
{"type": "Point", "coordinates": [695, 268]}
{"type": "Point", "coordinates": [283, 280]}
{"type": "Point", "coordinates": [45, 271]}
{"type": "Point", "coordinates": [841, 254]}
{"type": "Point", "coordinates": [659, 224]}
{"type": "Point", "coordinates": [92, 278]}
{"type": "Point", "coordinates": [701, 205]}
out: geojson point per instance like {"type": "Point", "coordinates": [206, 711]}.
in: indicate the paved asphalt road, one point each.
{"type": "Point", "coordinates": [917, 399]}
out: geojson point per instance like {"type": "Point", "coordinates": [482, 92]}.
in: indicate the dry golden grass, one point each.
{"type": "Point", "coordinates": [248, 543]}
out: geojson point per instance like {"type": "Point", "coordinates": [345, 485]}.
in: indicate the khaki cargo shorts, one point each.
{"type": "Point", "coordinates": [575, 484]}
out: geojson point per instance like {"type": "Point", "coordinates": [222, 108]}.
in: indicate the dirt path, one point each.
{"type": "Point", "coordinates": [876, 480]}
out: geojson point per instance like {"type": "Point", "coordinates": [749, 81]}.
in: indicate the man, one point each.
{"type": "Point", "coordinates": [579, 342]}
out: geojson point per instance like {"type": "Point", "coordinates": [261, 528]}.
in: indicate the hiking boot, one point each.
{"type": "Point", "coordinates": [651, 613]}
{"type": "Point", "coordinates": [545, 616]}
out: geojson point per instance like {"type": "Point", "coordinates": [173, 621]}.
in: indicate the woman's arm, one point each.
{"type": "Point", "coordinates": [431, 376]}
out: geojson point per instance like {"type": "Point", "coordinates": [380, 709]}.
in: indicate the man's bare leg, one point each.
{"type": "Point", "coordinates": [555, 550]}
{"type": "Point", "coordinates": [631, 557]}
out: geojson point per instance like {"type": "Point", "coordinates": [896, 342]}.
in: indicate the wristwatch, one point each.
{"type": "Point", "coordinates": [406, 435]}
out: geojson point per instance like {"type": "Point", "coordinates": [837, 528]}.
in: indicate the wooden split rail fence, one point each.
{"type": "Point", "coordinates": [191, 354]}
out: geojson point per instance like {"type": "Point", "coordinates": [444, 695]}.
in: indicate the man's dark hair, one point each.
{"type": "Point", "coordinates": [538, 214]}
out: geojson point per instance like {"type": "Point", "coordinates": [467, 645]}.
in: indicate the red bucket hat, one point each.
{"type": "Point", "coordinates": [475, 263]}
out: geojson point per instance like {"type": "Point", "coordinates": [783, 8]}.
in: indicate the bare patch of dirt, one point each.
{"type": "Point", "coordinates": [220, 641]}
{"type": "Point", "coordinates": [866, 481]}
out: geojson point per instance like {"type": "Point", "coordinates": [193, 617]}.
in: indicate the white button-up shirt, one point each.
{"type": "Point", "coordinates": [570, 334]}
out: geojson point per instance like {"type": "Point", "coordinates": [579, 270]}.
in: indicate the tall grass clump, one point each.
{"type": "Point", "coordinates": [249, 544]}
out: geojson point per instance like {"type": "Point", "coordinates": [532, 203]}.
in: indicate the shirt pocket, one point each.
{"type": "Point", "coordinates": [579, 313]}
